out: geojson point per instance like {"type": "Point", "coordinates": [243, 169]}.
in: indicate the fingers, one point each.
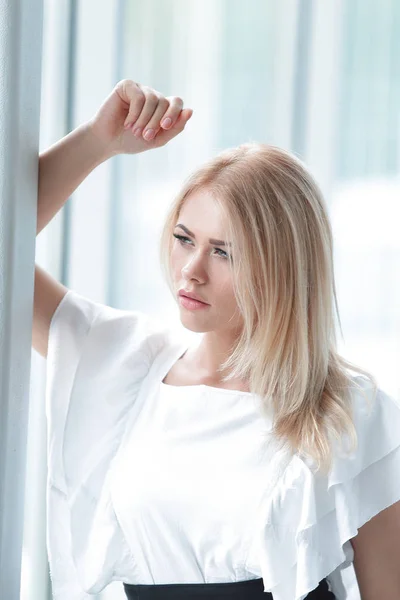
{"type": "Point", "coordinates": [132, 94]}
{"type": "Point", "coordinates": [172, 114]}
{"type": "Point", "coordinates": [143, 105]}
{"type": "Point", "coordinates": [149, 111]}
{"type": "Point", "coordinates": [165, 116]}
{"type": "Point", "coordinates": [166, 135]}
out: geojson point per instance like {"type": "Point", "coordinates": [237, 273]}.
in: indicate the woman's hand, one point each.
{"type": "Point", "coordinates": [132, 106]}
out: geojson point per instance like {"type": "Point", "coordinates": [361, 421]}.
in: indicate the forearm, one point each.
{"type": "Point", "coordinates": [63, 167]}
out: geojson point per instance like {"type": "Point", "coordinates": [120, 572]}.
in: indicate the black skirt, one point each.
{"type": "Point", "coordinates": [252, 589]}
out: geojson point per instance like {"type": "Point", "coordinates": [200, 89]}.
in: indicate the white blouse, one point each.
{"type": "Point", "coordinates": [150, 483]}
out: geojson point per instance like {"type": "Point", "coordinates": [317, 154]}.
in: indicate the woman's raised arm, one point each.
{"type": "Point", "coordinates": [129, 107]}
{"type": "Point", "coordinates": [64, 166]}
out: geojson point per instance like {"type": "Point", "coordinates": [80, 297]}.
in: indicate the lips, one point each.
{"type": "Point", "coordinates": [191, 296]}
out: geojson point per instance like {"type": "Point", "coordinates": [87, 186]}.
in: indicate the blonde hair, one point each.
{"type": "Point", "coordinates": [283, 278]}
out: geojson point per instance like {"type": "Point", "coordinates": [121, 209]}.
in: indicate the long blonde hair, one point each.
{"type": "Point", "coordinates": [283, 275]}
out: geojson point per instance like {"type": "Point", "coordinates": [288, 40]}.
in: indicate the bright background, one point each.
{"type": "Point", "coordinates": [321, 79]}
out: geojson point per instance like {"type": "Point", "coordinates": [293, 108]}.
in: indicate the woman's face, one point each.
{"type": "Point", "coordinates": [202, 267]}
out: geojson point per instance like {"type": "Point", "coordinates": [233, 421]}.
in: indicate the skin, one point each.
{"type": "Point", "coordinates": [200, 267]}
{"type": "Point", "coordinates": [377, 555]}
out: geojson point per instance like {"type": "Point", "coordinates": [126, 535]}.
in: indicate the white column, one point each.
{"type": "Point", "coordinates": [20, 77]}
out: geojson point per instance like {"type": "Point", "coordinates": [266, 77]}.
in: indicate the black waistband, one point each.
{"type": "Point", "coordinates": [251, 589]}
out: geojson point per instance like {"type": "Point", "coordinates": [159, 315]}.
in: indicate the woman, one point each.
{"type": "Point", "coordinates": [215, 469]}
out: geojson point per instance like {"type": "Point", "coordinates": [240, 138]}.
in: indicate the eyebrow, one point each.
{"type": "Point", "coordinates": [211, 240]}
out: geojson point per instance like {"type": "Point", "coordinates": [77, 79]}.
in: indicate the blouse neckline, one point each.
{"type": "Point", "coordinates": [196, 387]}
{"type": "Point", "coordinates": [202, 386]}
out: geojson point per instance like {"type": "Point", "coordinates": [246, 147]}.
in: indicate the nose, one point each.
{"type": "Point", "coordinates": [195, 269]}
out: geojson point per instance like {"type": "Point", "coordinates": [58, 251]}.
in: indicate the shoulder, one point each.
{"type": "Point", "coordinates": [309, 518]}
{"type": "Point", "coordinates": [376, 418]}
{"type": "Point", "coordinates": [82, 326]}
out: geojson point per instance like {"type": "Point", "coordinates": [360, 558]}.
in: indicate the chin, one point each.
{"type": "Point", "coordinates": [194, 326]}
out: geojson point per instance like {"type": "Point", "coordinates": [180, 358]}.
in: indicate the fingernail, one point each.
{"type": "Point", "coordinates": [166, 123]}
{"type": "Point", "coordinates": [127, 125]}
{"type": "Point", "coordinates": [137, 132]}
{"type": "Point", "coordinates": [149, 134]}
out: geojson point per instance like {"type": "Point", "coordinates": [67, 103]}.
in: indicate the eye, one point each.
{"type": "Point", "coordinates": [183, 240]}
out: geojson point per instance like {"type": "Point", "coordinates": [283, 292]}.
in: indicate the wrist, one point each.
{"type": "Point", "coordinates": [100, 149]}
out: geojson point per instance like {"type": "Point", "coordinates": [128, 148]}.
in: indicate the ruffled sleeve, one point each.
{"type": "Point", "coordinates": [306, 524]}
{"type": "Point", "coordinates": [97, 359]}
